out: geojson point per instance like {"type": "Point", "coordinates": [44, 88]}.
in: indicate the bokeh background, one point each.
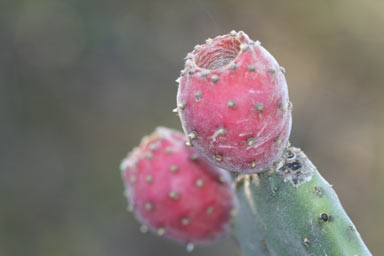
{"type": "Point", "coordinates": [82, 81]}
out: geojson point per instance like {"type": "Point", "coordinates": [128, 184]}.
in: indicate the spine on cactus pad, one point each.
{"type": "Point", "coordinates": [292, 210]}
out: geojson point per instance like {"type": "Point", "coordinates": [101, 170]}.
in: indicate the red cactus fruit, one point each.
{"type": "Point", "coordinates": [176, 193]}
{"type": "Point", "coordinates": [233, 103]}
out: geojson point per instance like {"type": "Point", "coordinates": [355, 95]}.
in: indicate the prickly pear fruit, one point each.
{"type": "Point", "coordinates": [233, 103]}
{"type": "Point", "coordinates": [176, 193]}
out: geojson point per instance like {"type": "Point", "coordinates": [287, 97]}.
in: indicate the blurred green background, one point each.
{"type": "Point", "coordinates": [82, 81]}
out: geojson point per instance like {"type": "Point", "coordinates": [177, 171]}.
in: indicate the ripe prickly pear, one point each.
{"type": "Point", "coordinates": [233, 103]}
{"type": "Point", "coordinates": [176, 193]}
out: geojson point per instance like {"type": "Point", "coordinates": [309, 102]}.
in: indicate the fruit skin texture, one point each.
{"type": "Point", "coordinates": [233, 103]}
{"type": "Point", "coordinates": [176, 193]}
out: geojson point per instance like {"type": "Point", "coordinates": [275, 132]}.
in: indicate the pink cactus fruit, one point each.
{"type": "Point", "coordinates": [176, 193]}
{"type": "Point", "coordinates": [233, 103]}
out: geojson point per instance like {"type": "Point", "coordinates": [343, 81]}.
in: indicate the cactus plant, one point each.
{"type": "Point", "coordinates": [234, 108]}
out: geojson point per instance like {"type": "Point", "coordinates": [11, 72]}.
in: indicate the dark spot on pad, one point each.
{"type": "Point", "coordinates": [294, 165]}
{"type": "Point", "coordinates": [291, 155]}
{"type": "Point", "coordinates": [324, 217]}
{"type": "Point", "coordinates": [318, 191]}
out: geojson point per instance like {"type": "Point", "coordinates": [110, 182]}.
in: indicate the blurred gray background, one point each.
{"type": "Point", "coordinates": [82, 81]}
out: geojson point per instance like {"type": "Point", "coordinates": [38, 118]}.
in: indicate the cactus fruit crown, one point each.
{"type": "Point", "coordinates": [176, 193]}
{"type": "Point", "coordinates": [233, 103]}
